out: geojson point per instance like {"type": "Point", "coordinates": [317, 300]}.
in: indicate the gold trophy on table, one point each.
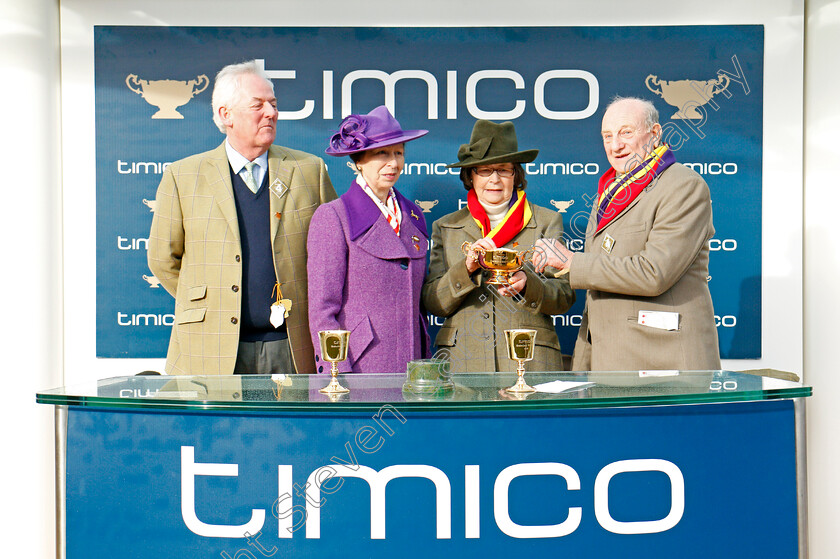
{"type": "Point", "coordinates": [520, 344]}
{"type": "Point", "coordinates": [334, 350]}
{"type": "Point", "coordinates": [503, 262]}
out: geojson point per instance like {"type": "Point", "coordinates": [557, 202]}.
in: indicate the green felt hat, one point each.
{"type": "Point", "coordinates": [492, 143]}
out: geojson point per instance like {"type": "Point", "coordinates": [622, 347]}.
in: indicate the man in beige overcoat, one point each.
{"type": "Point", "coordinates": [228, 240]}
{"type": "Point", "coordinates": [645, 262]}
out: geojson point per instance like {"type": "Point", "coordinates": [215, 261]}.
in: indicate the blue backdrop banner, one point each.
{"type": "Point", "coordinates": [153, 88]}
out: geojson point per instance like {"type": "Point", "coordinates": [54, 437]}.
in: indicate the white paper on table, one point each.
{"type": "Point", "coordinates": [558, 386]}
{"type": "Point", "coordinates": [660, 373]}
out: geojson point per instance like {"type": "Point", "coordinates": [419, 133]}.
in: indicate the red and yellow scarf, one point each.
{"type": "Point", "coordinates": [516, 218]}
{"type": "Point", "coordinates": [616, 194]}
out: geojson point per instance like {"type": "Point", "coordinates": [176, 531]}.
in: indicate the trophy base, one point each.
{"type": "Point", "coordinates": [334, 388]}
{"type": "Point", "coordinates": [520, 389]}
{"type": "Point", "coordinates": [499, 278]}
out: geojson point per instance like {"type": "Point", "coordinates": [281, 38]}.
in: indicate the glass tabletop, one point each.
{"type": "Point", "coordinates": [455, 392]}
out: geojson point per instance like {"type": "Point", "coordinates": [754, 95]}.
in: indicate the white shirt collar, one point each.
{"type": "Point", "coordinates": [382, 207]}
{"type": "Point", "coordinates": [237, 162]}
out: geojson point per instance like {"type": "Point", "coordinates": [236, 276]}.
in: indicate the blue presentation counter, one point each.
{"type": "Point", "coordinates": [643, 464]}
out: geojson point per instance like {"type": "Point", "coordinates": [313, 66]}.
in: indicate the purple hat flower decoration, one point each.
{"type": "Point", "coordinates": [351, 134]}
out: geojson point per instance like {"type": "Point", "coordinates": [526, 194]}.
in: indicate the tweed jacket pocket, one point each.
{"type": "Point", "coordinates": [197, 293]}
{"type": "Point", "coordinates": [191, 315]}
{"type": "Point", "coordinates": [634, 227]}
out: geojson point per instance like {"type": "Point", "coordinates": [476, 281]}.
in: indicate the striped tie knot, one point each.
{"type": "Point", "coordinates": [248, 177]}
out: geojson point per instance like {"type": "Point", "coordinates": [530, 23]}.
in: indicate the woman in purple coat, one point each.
{"type": "Point", "coordinates": [367, 253]}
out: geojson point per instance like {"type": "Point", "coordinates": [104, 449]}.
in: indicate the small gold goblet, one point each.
{"type": "Point", "coordinates": [334, 350]}
{"type": "Point", "coordinates": [520, 344]}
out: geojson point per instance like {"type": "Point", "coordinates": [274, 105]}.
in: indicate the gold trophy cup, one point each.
{"type": "Point", "coordinates": [503, 262]}
{"type": "Point", "coordinates": [334, 350]}
{"type": "Point", "coordinates": [520, 344]}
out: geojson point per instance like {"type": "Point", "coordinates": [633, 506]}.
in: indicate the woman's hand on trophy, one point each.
{"type": "Point", "coordinates": [473, 256]}
{"type": "Point", "coordinates": [551, 252]}
{"type": "Point", "coordinates": [517, 284]}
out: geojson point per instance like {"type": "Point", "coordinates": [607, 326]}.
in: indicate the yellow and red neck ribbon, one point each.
{"type": "Point", "coordinates": [516, 218]}
{"type": "Point", "coordinates": [616, 194]}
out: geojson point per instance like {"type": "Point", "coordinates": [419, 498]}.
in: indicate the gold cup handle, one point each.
{"type": "Point", "coordinates": [651, 82]}
{"type": "Point", "coordinates": [466, 248]}
{"type": "Point", "coordinates": [522, 257]}
{"type": "Point", "coordinates": [469, 250]}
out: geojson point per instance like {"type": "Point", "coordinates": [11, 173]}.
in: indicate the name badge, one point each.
{"type": "Point", "coordinates": [608, 244]}
{"type": "Point", "coordinates": [660, 319]}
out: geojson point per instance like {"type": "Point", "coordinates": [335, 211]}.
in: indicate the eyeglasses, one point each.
{"type": "Point", "coordinates": [487, 171]}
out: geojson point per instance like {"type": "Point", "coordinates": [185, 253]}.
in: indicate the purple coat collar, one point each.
{"type": "Point", "coordinates": [362, 212]}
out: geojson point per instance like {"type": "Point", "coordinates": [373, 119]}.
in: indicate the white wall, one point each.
{"type": "Point", "coordinates": [30, 229]}
{"type": "Point", "coordinates": [822, 271]}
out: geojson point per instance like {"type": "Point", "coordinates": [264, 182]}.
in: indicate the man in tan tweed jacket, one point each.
{"type": "Point", "coordinates": [226, 231]}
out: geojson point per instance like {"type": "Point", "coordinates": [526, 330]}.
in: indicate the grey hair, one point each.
{"type": "Point", "coordinates": [226, 90]}
{"type": "Point", "coordinates": [651, 114]}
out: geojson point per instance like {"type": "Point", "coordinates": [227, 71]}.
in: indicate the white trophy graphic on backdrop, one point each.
{"type": "Point", "coordinates": [152, 281]}
{"type": "Point", "coordinates": [687, 95]}
{"type": "Point", "coordinates": [562, 205]}
{"type": "Point", "coordinates": [167, 95]}
{"type": "Point", "coordinates": [426, 205]}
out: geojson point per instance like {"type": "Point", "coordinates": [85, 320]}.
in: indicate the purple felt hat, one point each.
{"type": "Point", "coordinates": [376, 129]}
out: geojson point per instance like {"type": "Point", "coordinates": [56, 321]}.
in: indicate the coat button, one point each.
{"type": "Point", "coordinates": [534, 305]}
{"type": "Point", "coordinates": [233, 320]}
{"type": "Point", "coordinates": [234, 288]}
{"type": "Point", "coordinates": [458, 285]}
{"type": "Point", "coordinates": [321, 369]}
{"type": "Point", "coordinates": [237, 258]}
{"type": "Point", "coordinates": [486, 315]}
{"type": "Point", "coordinates": [404, 265]}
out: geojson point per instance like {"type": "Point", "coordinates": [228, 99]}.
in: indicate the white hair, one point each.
{"type": "Point", "coordinates": [226, 90]}
{"type": "Point", "coordinates": [650, 113]}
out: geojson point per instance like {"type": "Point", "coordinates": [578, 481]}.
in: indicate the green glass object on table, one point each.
{"type": "Point", "coordinates": [428, 379]}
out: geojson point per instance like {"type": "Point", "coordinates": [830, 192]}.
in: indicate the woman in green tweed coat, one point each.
{"type": "Point", "coordinates": [497, 215]}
